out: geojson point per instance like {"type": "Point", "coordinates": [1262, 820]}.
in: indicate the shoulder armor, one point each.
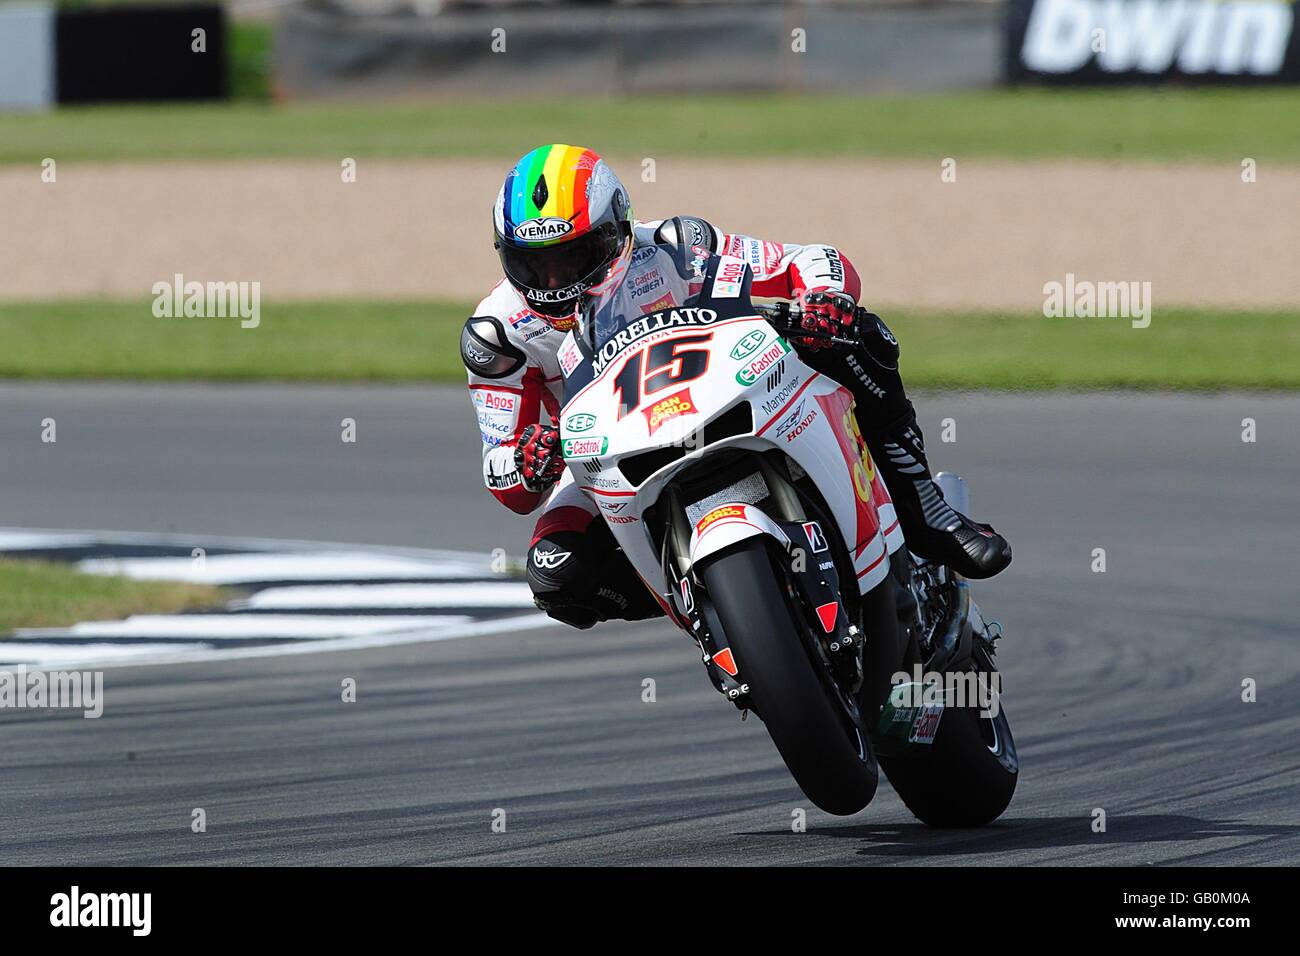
{"type": "Point", "coordinates": [486, 351]}
{"type": "Point", "coordinates": [695, 232]}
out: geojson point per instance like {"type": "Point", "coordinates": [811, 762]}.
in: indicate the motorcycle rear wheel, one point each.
{"type": "Point", "coordinates": [969, 776]}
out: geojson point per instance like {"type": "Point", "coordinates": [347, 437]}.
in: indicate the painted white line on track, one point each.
{"type": "Point", "coordinates": [111, 655]}
{"type": "Point", "coordinates": [310, 617]}
{"type": "Point", "coordinates": [279, 566]}
{"type": "Point", "coordinates": [491, 594]}
{"type": "Point", "coordinates": [227, 626]}
{"type": "Point", "coordinates": [36, 655]}
{"type": "Point", "coordinates": [18, 540]}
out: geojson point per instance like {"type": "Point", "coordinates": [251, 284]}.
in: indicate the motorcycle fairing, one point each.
{"type": "Point", "coordinates": [792, 408]}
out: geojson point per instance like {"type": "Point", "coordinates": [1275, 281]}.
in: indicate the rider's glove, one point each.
{"type": "Point", "coordinates": [832, 313]}
{"type": "Point", "coordinates": [538, 458]}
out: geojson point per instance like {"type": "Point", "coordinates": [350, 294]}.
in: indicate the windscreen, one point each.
{"type": "Point", "coordinates": [653, 278]}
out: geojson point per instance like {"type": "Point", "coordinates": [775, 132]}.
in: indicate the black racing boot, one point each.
{"type": "Point", "coordinates": [933, 529]}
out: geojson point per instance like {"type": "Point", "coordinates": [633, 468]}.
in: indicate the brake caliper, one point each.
{"type": "Point", "coordinates": [814, 574]}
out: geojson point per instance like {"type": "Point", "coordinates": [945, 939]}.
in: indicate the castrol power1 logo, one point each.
{"type": "Point", "coordinates": [587, 447]}
{"type": "Point", "coordinates": [716, 515]}
{"type": "Point", "coordinates": [758, 366]}
{"type": "Point", "coordinates": [666, 409]}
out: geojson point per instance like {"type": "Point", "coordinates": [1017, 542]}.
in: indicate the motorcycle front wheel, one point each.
{"type": "Point", "coordinates": [790, 688]}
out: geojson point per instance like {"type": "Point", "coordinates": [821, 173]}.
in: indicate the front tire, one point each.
{"type": "Point", "coordinates": [792, 691]}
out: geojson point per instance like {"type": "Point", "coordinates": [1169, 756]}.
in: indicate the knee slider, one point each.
{"type": "Point", "coordinates": [555, 565]}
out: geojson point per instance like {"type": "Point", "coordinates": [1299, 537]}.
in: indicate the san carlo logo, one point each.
{"type": "Point", "coordinates": [539, 230]}
{"type": "Point", "coordinates": [749, 344]}
{"type": "Point", "coordinates": [581, 422]}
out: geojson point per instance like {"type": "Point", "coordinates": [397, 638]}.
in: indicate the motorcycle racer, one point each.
{"type": "Point", "coordinates": [561, 220]}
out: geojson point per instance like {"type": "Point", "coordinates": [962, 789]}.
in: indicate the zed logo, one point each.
{"type": "Point", "coordinates": [581, 422]}
{"type": "Point", "coordinates": [749, 344]}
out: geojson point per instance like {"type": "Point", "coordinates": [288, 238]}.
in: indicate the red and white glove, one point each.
{"type": "Point", "coordinates": [538, 457]}
{"type": "Point", "coordinates": [832, 313]}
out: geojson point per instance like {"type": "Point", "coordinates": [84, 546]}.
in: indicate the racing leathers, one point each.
{"type": "Point", "coordinates": [574, 567]}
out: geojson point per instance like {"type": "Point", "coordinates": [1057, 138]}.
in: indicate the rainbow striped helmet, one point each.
{"type": "Point", "coordinates": [561, 219]}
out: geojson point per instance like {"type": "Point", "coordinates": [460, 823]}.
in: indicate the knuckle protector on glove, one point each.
{"type": "Point", "coordinates": [536, 457]}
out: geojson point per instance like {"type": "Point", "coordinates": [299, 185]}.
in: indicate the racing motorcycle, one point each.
{"type": "Point", "coordinates": [733, 476]}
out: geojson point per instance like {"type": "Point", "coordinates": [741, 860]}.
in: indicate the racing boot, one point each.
{"type": "Point", "coordinates": [934, 530]}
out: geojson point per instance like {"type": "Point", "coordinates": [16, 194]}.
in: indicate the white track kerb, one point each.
{"type": "Point", "coordinates": [297, 598]}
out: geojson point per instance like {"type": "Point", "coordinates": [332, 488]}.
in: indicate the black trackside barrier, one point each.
{"type": "Point", "coordinates": [140, 54]}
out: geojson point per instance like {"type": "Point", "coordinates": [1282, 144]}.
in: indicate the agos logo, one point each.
{"type": "Point", "coordinates": [495, 401]}
{"type": "Point", "coordinates": [539, 230]}
{"type": "Point", "coordinates": [731, 275]}
{"type": "Point", "coordinates": [731, 270]}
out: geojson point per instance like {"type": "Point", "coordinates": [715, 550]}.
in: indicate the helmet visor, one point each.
{"type": "Point", "coordinates": [562, 270]}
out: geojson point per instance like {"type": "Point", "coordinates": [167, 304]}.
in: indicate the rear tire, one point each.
{"type": "Point", "coordinates": [968, 778]}
{"type": "Point", "coordinates": [792, 693]}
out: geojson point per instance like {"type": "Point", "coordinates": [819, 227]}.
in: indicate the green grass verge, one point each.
{"type": "Point", "coordinates": [47, 594]}
{"type": "Point", "coordinates": [250, 61]}
{"type": "Point", "coordinates": [320, 341]}
{"type": "Point", "coordinates": [1224, 125]}
{"type": "Point", "coordinates": [417, 342]}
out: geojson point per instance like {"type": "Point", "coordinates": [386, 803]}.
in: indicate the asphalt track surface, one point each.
{"type": "Point", "coordinates": [1123, 688]}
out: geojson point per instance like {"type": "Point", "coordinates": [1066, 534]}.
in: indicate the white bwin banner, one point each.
{"type": "Point", "coordinates": [1096, 40]}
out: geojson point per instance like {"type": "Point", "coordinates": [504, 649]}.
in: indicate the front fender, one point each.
{"type": "Point", "coordinates": [729, 524]}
